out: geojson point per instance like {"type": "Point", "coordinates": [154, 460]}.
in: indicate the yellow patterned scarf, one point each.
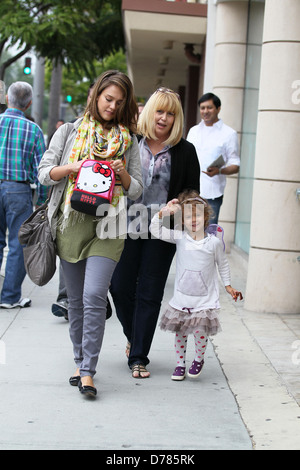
{"type": "Point", "coordinates": [91, 143]}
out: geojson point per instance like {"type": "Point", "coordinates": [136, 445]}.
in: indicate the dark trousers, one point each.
{"type": "Point", "coordinates": [15, 208]}
{"type": "Point", "coordinates": [215, 204]}
{"type": "Point", "coordinates": [137, 289]}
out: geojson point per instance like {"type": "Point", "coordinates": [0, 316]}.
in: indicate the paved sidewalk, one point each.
{"type": "Point", "coordinates": [247, 396]}
{"type": "Point", "coordinates": [260, 357]}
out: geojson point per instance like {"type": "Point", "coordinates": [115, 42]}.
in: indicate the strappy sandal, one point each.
{"type": "Point", "coordinates": [140, 369]}
{"type": "Point", "coordinates": [127, 350]}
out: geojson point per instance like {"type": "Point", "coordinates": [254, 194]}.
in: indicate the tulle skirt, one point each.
{"type": "Point", "coordinates": [186, 323]}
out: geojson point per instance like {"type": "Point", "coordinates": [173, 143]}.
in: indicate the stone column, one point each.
{"type": "Point", "coordinates": [228, 84]}
{"type": "Point", "coordinates": [54, 101]}
{"type": "Point", "coordinates": [190, 110]}
{"type": "Point", "coordinates": [38, 91]}
{"type": "Point", "coordinates": [273, 283]}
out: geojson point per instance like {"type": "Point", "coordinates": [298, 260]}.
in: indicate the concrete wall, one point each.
{"type": "Point", "coordinates": [273, 281]}
{"type": "Point", "coordinates": [228, 84]}
{"type": "Point", "coordinates": [273, 272]}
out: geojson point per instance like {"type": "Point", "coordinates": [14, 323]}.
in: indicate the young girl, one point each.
{"type": "Point", "coordinates": [194, 307]}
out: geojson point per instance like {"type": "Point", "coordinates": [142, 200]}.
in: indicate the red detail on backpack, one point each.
{"type": "Point", "coordinates": [93, 186]}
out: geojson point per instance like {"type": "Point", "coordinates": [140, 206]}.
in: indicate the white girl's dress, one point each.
{"type": "Point", "coordinates": [195, 303]}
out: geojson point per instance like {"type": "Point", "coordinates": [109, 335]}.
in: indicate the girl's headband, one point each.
{"type": "Point", "coordinates": [199, 199]}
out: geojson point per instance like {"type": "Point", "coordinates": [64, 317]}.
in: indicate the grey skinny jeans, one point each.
{"type": "Point", "coordinates": [87, 283]}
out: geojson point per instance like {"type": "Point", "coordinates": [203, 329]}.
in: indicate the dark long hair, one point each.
{"type": "Point", "coordinates": [127, 112]}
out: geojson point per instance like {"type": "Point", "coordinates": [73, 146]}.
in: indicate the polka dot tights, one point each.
{"type": "Point", "coordinates": [181, 344]}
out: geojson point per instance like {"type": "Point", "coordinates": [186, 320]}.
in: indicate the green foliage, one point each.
{"type": "Point", "coordinates": [77, 85]}
{"type": "Point", "coordinates": [15, 71]}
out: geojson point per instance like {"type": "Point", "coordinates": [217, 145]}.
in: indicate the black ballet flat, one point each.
{"type": "Point", "coordinates": [74, 380]}
{"type": "Point", "coordinates": [87, 390]}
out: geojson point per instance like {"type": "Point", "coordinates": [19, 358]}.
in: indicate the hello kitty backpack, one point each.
{"type": "Point", "coordinates": [93, 186]}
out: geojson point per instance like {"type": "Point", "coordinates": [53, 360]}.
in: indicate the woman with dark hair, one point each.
{"type": "Point", "coordinates": [106, 132]}
{"type": "Point", "coordinates": [169, 165]}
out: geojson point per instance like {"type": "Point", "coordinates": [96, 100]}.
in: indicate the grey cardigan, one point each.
{"type": "Point", "coordinates": [58, 155]}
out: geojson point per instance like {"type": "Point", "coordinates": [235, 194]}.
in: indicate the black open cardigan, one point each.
{"type": "Point", "coordinates": [185, 169]}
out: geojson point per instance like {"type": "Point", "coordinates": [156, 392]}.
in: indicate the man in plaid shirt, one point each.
{"type": "Point", "coordinates": [22, 146]}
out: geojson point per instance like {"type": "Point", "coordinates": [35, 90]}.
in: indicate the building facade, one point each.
{"type": "Point", "coordinates": [248, 53]}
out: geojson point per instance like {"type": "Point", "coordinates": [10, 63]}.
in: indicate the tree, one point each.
{"type": "Point", "coordinates": [72, 83]}
{"type": "Point", "coordinates": [70, 32]}
{"type": "Point", "coordinates": [77, 85]}
{"type": "Point", "coordinates": [15, 71]}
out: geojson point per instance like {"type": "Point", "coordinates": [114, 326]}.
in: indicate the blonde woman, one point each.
{"type": "Point", "coordinates": [169, 164]}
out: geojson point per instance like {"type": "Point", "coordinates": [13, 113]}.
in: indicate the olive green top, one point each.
{"type": "Point", "coordinates": [79, 239]}
{"type": "Point", "coordinates": [58, 154]}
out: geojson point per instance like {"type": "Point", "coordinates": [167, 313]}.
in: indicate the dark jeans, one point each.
{"type": "Point", "coordinates": [15, 208]}
{"type": "Point", "coordinates": [215, 204]}
{"type": "Point", "coordinates": [137, 289]}
{"type": "Point", "coordinates": [62, 290]}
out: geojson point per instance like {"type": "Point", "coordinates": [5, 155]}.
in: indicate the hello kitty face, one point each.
{"type": "Point", "coordinates": [94, 177]}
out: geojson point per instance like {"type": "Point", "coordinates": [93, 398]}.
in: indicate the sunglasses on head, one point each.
{"type": "Point", "coordinates": [167, 90]}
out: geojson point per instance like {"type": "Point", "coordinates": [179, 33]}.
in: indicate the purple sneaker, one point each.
{"type": "Point", "coordinates": [179, 373]}
{"type": "Point", "coordinates": [195, 369]}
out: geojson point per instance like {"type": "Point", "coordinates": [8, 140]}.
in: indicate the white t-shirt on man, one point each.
{"type": "Point", "coordinates": [211, 142]}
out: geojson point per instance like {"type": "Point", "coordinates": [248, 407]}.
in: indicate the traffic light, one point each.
{"type": "Point", "coordinates": [27, 66]}
{"type": "Point", "coordinates": [69, 99]}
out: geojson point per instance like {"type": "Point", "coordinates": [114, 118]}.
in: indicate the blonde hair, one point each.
{"type": "Point", "coordinates": [162, 99]}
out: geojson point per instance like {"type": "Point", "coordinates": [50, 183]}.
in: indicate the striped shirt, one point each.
{"type": "Point", "coordinates": [22, 146]}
